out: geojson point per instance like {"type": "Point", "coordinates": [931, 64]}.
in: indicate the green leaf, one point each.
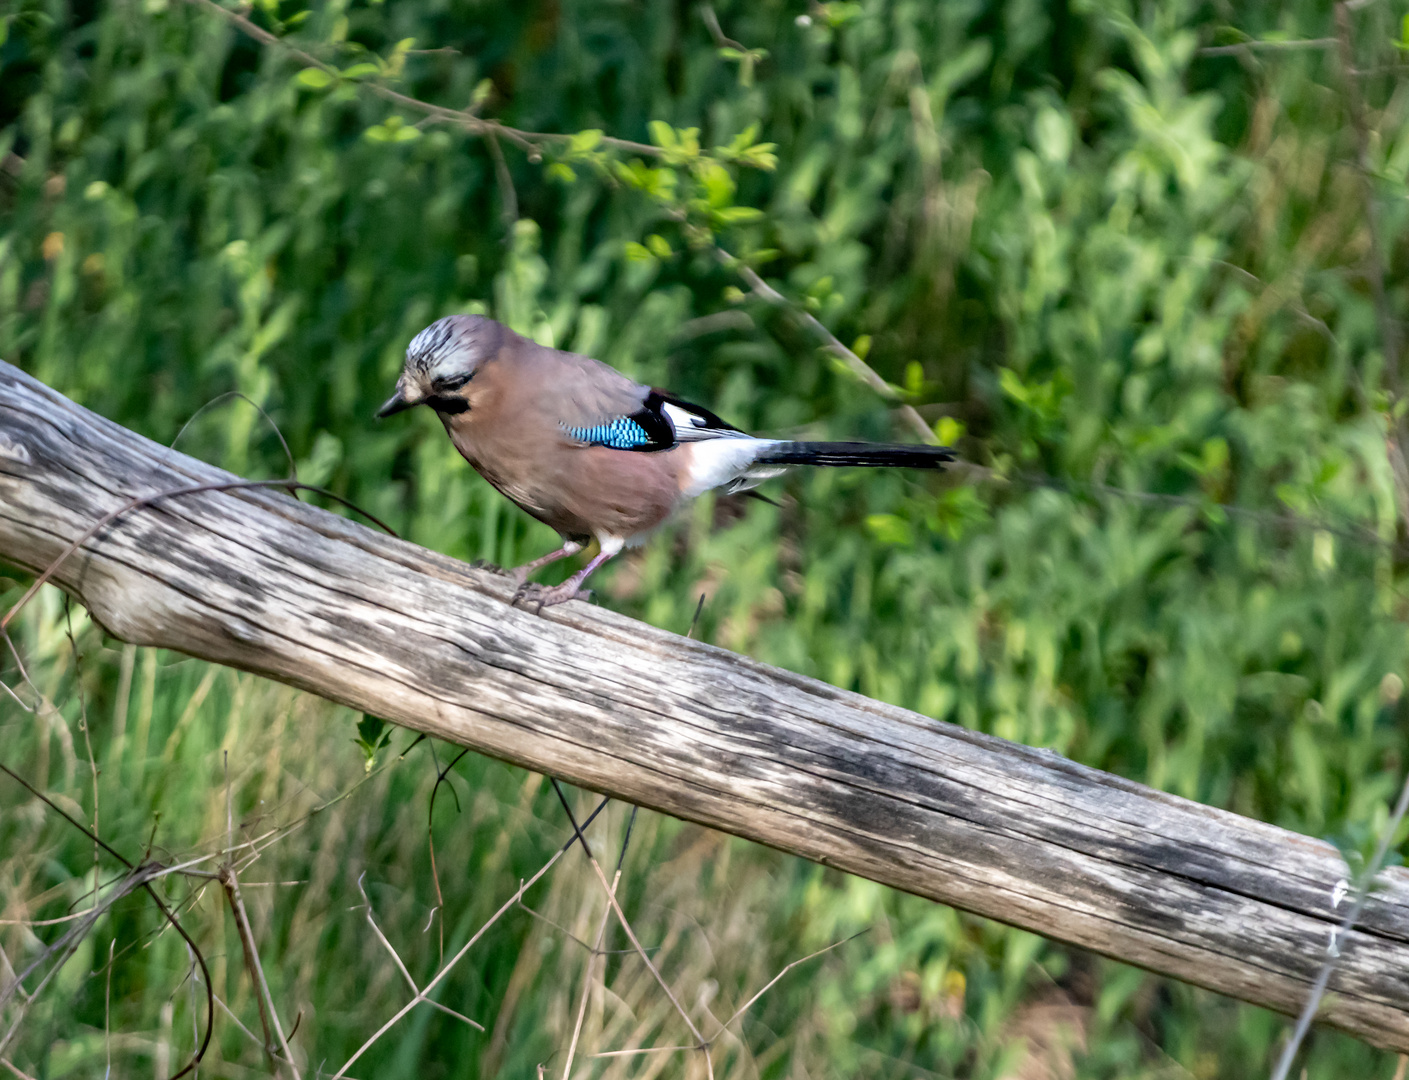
{"type": "Point", "coordinates": [373, 734]}
{"type": "Point", "coordinates": [839, 14]}
{"type": "Point", "coordinates": [948, 430]}
{"type": "Point", "coordinates": [393, 129]}
{"type": "Point", "coordinates": [914, 378]}
{"type": "Point", "coordinates": [584, 142]}
{"type": "Point", "coordinates": [718, 185]}
{"type": "Point", "coordinates": [483, 89]}
{"type": "Point", "coordinates": [313, 78]}
{"type": "Point", "coordinates": [890, 529]}
{"type": "Point", "coordinates": [744, 139]}
{"type": "Point", "coordinates": [361, 71]}
{"type": "Point", "coordinates": [964, 67]}
{"type": "Point", "coordinates": [396, 63]}
{"type": "Point", "coordinates": [662, 134]}
{"type": "Point", "coordinates": [1012, 385]}
{"type": "Point", "coordinates": [760, 157]}
{"type": "Point", "coordinates": [659, 184]}
{"type": "Point", "coordinates": [737, 215]}
{"type": "Point", "coordinates": [679, 147]}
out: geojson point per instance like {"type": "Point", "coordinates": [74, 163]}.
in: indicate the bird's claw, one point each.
{"type": "Point", "coordinates": [531, 593]}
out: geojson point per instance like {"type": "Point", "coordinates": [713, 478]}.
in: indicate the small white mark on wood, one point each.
{"type": "Point", "coordinates": [13, 450]}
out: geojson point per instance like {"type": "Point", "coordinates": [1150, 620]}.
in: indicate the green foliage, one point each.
{"type": "Point", "coordinates": [373, 735]}
{"type": "Point", "coordinates": [1131, 278]}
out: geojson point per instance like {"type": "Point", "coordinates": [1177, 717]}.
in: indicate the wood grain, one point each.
{"type": "Point", "coordinates": [259, 581]}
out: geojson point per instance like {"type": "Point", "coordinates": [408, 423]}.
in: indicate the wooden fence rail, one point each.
{"type": "Point", "coordinates": [261, 582]}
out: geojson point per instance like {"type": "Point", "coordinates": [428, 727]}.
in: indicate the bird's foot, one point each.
{"type": "Point", "coordinates": [494, 568]}
{"type": "Point", "coordinates": [538, 596]}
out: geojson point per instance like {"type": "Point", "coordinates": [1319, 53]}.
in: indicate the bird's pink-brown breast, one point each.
{"type": "Point", "coordinates": [578, 490]}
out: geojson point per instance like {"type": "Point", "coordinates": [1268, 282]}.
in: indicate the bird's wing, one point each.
{"type": "Point", "coordinates": [691, 423]}
{"type": "Point", "coordinates": [596, 405]}
{"type": "Point", "coordinates": [660, 422]}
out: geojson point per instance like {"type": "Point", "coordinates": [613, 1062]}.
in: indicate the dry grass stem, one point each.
{"type": "Point", "coordinates": [15, 1069]}
{"type": "Point", "coordinates": [401, 967]}
{"type": "Point", "coordinates": [268, 1013]}
{"type": "Point", "coordinates": [446, 968]}
{"type": "Point", "coordinates": [701, 1042]}
{"type": "Point", "coordinates": [1333, 951]}
{"type": "Point", "coordinates": [587, 976]}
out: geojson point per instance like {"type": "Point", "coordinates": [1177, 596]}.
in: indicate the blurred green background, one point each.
{"type": "Point", "coordinates": [1144, 264]}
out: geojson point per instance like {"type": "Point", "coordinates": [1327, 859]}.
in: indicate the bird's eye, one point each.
{"type": "Point", "coordinates": [452, 382]}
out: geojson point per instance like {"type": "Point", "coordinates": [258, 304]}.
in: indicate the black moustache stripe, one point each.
{"type": "Point", "coordinates": [448, 403]}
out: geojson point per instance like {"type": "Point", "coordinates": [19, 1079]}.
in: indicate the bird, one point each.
{"type": "Point", "coordinates": [586, 450]}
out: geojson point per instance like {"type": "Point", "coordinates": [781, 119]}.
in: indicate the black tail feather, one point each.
{"type": "Point", "coordinates": [880, 455]}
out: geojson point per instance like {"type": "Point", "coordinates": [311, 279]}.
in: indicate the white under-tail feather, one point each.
{"type": "Point", "coordinates": [728, 462]}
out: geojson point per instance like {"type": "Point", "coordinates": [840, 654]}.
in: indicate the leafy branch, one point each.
{"type": "Point", "coordinates": [692, 185]}
{"type": "Point", "coordinates": [364, 74]}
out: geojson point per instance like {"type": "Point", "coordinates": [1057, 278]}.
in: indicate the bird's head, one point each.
{"type": "Point", "coordinates": [440, 362]}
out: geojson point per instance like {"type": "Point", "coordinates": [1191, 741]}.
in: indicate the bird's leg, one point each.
{"type": "Point", "coordinates": [521, 573]}
{"type": "Point", "coordinates": [571, 589]}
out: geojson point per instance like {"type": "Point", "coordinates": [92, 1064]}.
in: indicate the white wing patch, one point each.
{"type": "Point", "coordinates": [692, 427]}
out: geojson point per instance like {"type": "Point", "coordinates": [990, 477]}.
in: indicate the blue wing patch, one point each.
{"type": "Point", "coordinates": [623, 433]}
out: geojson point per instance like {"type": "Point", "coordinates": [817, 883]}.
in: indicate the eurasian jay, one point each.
{"type": "Point", "coordinates": [584, 449]}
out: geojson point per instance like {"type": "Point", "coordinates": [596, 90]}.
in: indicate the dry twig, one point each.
{"type": "Point", "coordinates": [474, 938]}
{"type": "Point", "coordinates": [859, 367]}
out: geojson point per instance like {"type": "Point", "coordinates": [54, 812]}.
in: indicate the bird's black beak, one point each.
{"type": "Point", "coordinates": [395, 404]}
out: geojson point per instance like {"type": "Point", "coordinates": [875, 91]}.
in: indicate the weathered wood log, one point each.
{"type": "Point", "coordinates": [261, 582]}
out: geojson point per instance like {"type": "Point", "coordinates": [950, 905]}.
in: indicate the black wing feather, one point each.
{"type": "Point", "coordinates": [650, 428]}
{"type": "Point", "coordinates": [659, 398]}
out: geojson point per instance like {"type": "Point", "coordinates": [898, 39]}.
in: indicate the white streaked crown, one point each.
{"type": "Point", "coordinates": [454, 345]}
